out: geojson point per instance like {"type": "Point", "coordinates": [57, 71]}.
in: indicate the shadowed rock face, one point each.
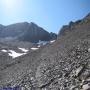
{"type": "Point", "coordinates": [62, 65]}
{"type": "Point", "coordinates": [24, 32]}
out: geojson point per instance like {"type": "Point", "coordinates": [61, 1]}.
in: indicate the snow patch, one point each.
{"type": "Point", "coordinates": [39, 46]}
{"type": "Point", "coordinates": [52, 41]}
{"type": "Point", "coordinates": [34, 48]}
{"type": "Point", "coordinates": [14, 54]}
{"type": "Point", "coordinates": [42, 42]}
{"type": "Point", "coordinates": [23, 49]}
{"type": "Point", "coordinates": [4, 50]}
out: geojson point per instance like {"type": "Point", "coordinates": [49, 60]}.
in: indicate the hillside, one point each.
{"type": "Point", "coordinates": [62, 65]}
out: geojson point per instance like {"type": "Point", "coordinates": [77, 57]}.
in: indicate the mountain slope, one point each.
{"type": "Point", "coordinates": [62, 65]}
{"type": "Point", "coordinates": [24, 32]}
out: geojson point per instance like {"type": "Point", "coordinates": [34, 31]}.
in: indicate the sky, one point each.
{"type": "Point", "coordinates": [49, 14]}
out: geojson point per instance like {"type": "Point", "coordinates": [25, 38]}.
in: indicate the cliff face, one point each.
{"type": "Point", "coordinates": [24, 32]}
{"type": "Point", "coordinates": [62, 65]}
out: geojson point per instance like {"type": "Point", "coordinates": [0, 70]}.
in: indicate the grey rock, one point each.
{"type": "Point", "coordinates": [63, 65]}
{"type": "Point", "coordinates": [25, 32]}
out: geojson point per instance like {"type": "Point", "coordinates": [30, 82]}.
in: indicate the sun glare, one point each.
{"type": "Point", "coordinates": [10, 6]}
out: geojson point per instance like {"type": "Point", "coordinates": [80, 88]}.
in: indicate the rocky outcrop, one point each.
{"type": "Point", "coordinates": [74, 25]}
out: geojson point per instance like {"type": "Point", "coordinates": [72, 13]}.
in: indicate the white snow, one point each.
{"type": "Point", "coordinates": [34, 48]}
{"type": "Point", "coordinates": [52, 41]}
{"type": "Point", "coordinates": [38, 46]}
{"type": "Point", "coordinates": [23, 49]}
{"type": "Point", "coordinates": [4, 50]}
{"type": "Point", "coordinates": [42, 42]}
{"type": "Point", "coordinates": [14, 54]}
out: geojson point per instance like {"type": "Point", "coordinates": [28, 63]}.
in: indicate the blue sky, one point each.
{"type": "Point", "coordinates": [49, 14]}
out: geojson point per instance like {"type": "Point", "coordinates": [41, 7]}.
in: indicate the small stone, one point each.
{"type": "Point", "coordinates": [89, 50]}
{"type": "Point", "coordinates": [78, 71]}
{"type": "Point", "coordinates": [86, 87]}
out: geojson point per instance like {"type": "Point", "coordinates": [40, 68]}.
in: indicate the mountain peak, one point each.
{"type": "Point", "coordinates": [25, 31]}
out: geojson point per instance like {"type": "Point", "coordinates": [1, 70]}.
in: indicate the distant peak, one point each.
{"type": "Point", "coordinates": [1, 25]}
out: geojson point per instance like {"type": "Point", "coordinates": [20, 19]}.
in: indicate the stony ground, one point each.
{"type": "Point", "coordinates": [63, 65]}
